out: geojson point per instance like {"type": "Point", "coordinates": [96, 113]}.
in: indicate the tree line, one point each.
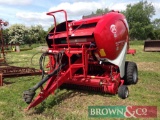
{"type": "Point", "coordinates": [139, 17]}
{"type": "Point", "coordinates": [20, 34]}
{"type": "Point", "coordinates": [141, 24]}
{"type": "Point", "coordinates": [140, 20]}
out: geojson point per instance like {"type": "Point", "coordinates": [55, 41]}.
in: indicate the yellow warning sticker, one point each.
{"type": "Point", "coordinates": [102, 52]}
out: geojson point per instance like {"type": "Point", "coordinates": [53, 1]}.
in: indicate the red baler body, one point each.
{"type": "Point", "coordinates": [88, 53]}
{"type": "Point", "coordinates": [109, 32]}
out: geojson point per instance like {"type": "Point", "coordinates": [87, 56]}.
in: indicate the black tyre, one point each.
{"type": "Point", "coordinates": [131, 73]}
{"type": "Point", "coordinates": [123, 91]}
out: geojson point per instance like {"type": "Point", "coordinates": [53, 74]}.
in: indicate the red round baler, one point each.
{"type": "Point", "coordinates": [89, 53]}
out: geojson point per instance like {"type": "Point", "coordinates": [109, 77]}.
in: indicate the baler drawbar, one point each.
{"type": "Point", "coordinates": [88, 53]}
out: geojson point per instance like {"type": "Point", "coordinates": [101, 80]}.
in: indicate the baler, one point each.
{"type": "Point", "coordinates": [88, 53]}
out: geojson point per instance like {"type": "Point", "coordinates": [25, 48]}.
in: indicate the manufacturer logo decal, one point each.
{"type": "Point", "coordinates": [113, 30]}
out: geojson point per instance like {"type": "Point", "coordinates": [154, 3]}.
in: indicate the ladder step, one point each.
{"type": "Point", "coordinates": [77, 65]}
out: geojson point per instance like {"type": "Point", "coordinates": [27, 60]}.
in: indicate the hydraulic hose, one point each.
{"type": "Point", "coordinates": [47, 78]}
{"type": "Point", "coordinates": [29, 94]}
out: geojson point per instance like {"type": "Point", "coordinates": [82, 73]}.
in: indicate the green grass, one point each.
{"type": "Point", "coordinates": [73, 105]}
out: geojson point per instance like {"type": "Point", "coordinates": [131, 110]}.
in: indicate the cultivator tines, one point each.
{"type": "Point", "coordinates": [13, 71]}
{"type": "Point", "coordinates": [7, 71]}
{"type": "Point", "coordinates": [87, 54]}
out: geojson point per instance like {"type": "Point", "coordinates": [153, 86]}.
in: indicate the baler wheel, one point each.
{"type": "Point", "coordinates": [131, 73]}
{"type": "Point", "coordinates": [123, 91]}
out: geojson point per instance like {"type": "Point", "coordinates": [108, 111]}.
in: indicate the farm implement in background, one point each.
{"type": "Point", "coordinates": [152, 46]}
{"type": "Point", "coordinates": [7, 71]}
{"type": "Point", "coordinates": [88, 53]}
{"type": "Point", "coordinates": [2, 53]}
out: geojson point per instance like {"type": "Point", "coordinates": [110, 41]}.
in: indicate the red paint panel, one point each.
{"type": "Point", "coordinates": [110, 35]}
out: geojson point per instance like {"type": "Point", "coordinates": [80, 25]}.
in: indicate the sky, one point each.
{"type": "Point", "coordinates": [33, 12]}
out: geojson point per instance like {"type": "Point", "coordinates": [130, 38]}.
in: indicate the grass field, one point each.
{"type": "Point", "coordinates": [73, 105]}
